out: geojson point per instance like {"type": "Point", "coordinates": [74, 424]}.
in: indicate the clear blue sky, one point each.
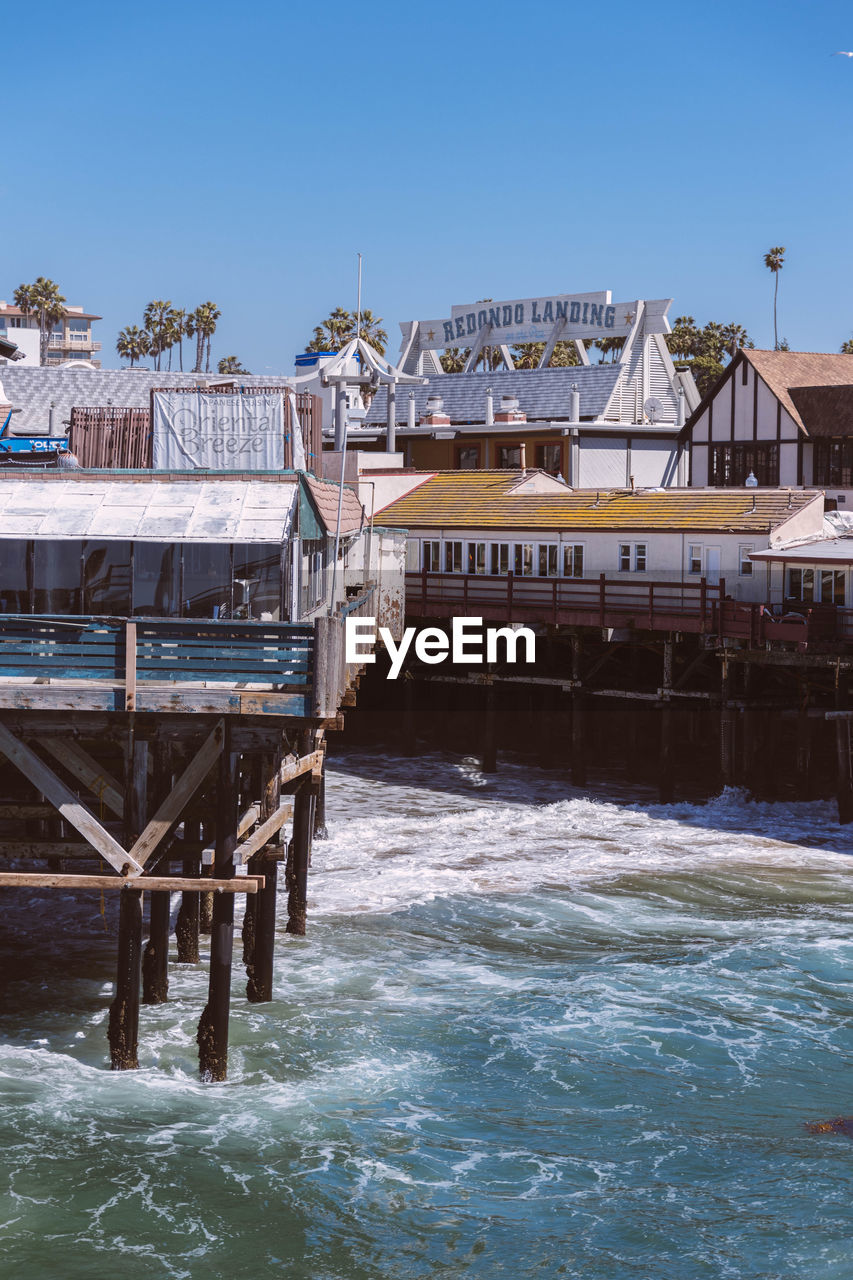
{"type": "Point", "coordinates": [246, 153]}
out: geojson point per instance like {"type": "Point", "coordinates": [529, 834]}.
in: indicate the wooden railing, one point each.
{"type": "Point", "coordinates": [573, 601]}
{"type": "Point", "coordinates": [609, 602]}
{"type": "Point", "coordinates": [142, 656]}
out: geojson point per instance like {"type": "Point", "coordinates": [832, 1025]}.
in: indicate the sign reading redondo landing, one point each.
{"type": "Point", "coordinates": [579, 315]}
{"type": "Point", "coordinates": [433, 644]}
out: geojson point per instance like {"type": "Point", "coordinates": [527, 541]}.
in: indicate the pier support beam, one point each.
{"type": "Point", "coordinates": [155, 958]}
{"type": "Point", "coordinates": [213, 1028]}
{"type": "Point", "coordinates": [666, 781]}
{"type": "Point", "coordinates": [187, 924]}
{"type": "Point", "coordinates": [490, 741]}
{"type": "Point", "coordinates": [727, 728]}
{"type": "Point", "coordinates": [124, 1010]}
{"type": "Point", "coordinates": [298, 857]}
{"type": "Point", "coordinates": [578, 766]}
{"type": "Point", "coordinates": [260, 962]}
{"type": "Point", "coordinates": [843, 728]}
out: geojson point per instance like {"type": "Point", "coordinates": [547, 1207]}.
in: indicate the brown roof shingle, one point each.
{"type": "Point", "coordinates": [785, 370]}
{"type": "Point", "coordinates": [482, 499]}
{"type": "Point", "coordinates": [325, 494]}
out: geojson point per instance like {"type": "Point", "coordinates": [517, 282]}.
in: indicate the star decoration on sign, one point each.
{"type": "Point", "coordinates": [431, 334]}
{"type": "Point", "coordinates": [629, 317]}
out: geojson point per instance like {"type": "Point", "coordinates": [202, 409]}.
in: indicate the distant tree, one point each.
{"type": "Point", "coordinates": [338, 329]}
{"type": "Point", "coordinates": [132, 344]}
{"type": "Point", "coordinates": [230, 364]}
{"type": "Point", "coordinates": [682, 341]}
{"type": "Point", "coordinates": [846, 348]}
{"type": "Point", "coordinates": [774, 260]}
{"type": "Point", "coordinates": [201, 324]}
{"type": "Point", "coordinates": [179, 332]}
{"type": "Point", "coordinates": [783, 345]}
{"type": "Point", "coordinates": [735, 337]}
{"type": "Point", "coordinates": [156, 318]}
{"type": "Point", "coordinates": [44, 301]}
{"type": "Point", "coordinates": [527, 355]}
{"type": "Point", "coordinates": [453, 360]}
{"type": "Point", "coordinates": [609, 347]}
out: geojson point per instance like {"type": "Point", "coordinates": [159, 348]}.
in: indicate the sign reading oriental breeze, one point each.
{"type": "Point", "coordinates": [576, 315]}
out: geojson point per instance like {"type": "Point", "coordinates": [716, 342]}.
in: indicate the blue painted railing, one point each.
{"type": "Point", "coordinates": [275, 655]}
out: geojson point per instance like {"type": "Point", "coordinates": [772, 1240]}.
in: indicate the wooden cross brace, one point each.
{"type": "Point", "coordinates": [127, 863]}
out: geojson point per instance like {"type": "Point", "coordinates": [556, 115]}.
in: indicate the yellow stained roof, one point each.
{"type": "Point", "coordinates": [482, 499]}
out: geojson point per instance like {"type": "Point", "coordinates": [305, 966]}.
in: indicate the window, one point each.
{"type": "Point", "coordinates": [14, 587]}
{"type": "Point", "coordinates": [509, 457]}
{"type": "Point", "coordinates": [257, 582]}
{"type": "Point", "coordinates": [207, 580]}
{"type": "Point", "coordinates": [694, 558]}
{"type": "Point", "coordinates": [549, 457]}
{"type": "Point", "coordinates": [524, 559]}
{"type": "Point", "coordinates": [467, 457]}
{"type": "Point", "coordinates": [56, 577]}
{"type": "Point", "coordinates": [453, 557]}
{"type": "Point", "coordinates": [413, 555]}
{"type": "Point", "coordinates": [817, 586]}
{"type": "Point", "coordinates": [573, 560]}
{"type": "Point", "coordinates": [548, 560]}
{"type": "Point", "coordinates": [476, 557]}
{"type": "Point", "coordinates": [632, 555]}
{"type": "Point", "coordinates": [432, 556]}
{"type": "Point", "coordinates": [156, 580]}
{"type": "Point", "coordinates": [499, 558]}
{"type": "Point", "coordinates": [833, 463]}
{"type": "Point", "coordinates": [106, 578]}
{"type": "Point", "coordinates": [743, 560]}
{"type": "Point", "coordinates": [730, 464]}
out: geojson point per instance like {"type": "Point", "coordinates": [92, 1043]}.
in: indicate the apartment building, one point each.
{"type": "Point", "coordinates": [70, 339]}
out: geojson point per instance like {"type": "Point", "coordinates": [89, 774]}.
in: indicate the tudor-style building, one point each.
{"type": "Point", "coordinates": [786, 417]}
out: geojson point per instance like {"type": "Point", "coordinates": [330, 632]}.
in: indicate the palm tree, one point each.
{"type": "Point", "coordinates": [179, 328]}
{"type": "Point", "coordinates": [453, 360]}
{"type": "Point", "coordinates": [775, 261]}
{"type": "Point", "coordinates": [201, 324]}
{"type": "Point", "coordinates": [847, 347]}
{"type": "Point", "coordinates": [132, 343]}
{"type": "Point", "coordinates": [231, 364]}
{"type": "Point", "coordinates": [682, 341]}
{"type": "Point", "coordinates": [44, 301]}
{"type": "Point", "coordinates": [735, 337]}
{"type": "Point", "coordinates": [156, 320]}
{"type": "Point", "coordinates": [371, 330]}
{"type": "Point", "coordinates": [339, 328]}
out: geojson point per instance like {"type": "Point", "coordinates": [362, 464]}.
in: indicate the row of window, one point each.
{"type": "Point", "coordinates": [149, 579]}
{"type": "Point", "coordinates": [817, 586]}
{"type": "Point", "coordinates": [552, 559]}
{"type": "Point", "coordinates": [730, 464]}
{"type": "Point", "coordinates": [833, 463]}
{"type": "Point", "coordinates": [507, 457]}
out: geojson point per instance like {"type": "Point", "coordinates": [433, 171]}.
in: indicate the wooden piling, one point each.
{"type": "Point", "coordinates": [727, 728]}
{"type": "Point", "coordinates": [298, 858]}
{"type": "Point", "coordinates": [123, 1032]}
{"type": "Point", "coordinates": [843, 729]}
{"type": "Point", "coordinates": [124, 1010]}
{"type": "Point", "coordinates": [260, 963]}
{"type": "Point", "coordinates": [490, 741]}
{"type": "Point", "coordinates": [666, 781]}
{"type": "Point", "coordinates": [155, 957]}
{"type": "Point", "coordinates": [187, 924]}
{"type": "Point", "coordinates": [578, 764]}
{"type": "Point", "coordinates": [212, 1034]}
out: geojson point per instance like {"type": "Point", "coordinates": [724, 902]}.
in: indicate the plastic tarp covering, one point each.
{"type": "Point", "coordinates": [200, 432]}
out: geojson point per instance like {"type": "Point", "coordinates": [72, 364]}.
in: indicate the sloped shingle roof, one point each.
{"type": "Point", "coordinates": [482, 499]}
{"type": "Point", "coordinates": [825, 411]}
{"type": "Point", "coordinates": [542, 393]}
{"type": "Point", "coordinates": [325, 495]}
{"type": "Point", "coordinates": [785, 370]}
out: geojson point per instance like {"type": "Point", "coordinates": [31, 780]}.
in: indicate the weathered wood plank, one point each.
{"type": "Point", "coordinates": [93, 776]}
{"type": "Point", "coordinates": [130, 667]}
{"type": "Point", "coordinates": [264, 833]}
{"type": "Point", "coordinates": [306, 764]}
{"type": "Point", "coordinates": [185, 788]}
{"type": "Point", "coordinates": [63, 798]}
{"type": "Point", "coordinates": [62, 880]}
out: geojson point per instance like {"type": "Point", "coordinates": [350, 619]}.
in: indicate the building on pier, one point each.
{"type": "Point", "coordinates": [488, 526]}
{"type": "Point", "coordinates": [784, 416]}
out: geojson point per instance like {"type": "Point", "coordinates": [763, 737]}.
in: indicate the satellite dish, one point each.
{"type": "Point", "coordinates": [653, 408]}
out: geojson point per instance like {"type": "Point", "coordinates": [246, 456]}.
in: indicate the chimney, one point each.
{"type": "Point", "coordinates": [490, 408]}
{"type": "Point", "coordinates": [575, 404]}
{"type": "Point", "coordinates": [411, 411]}
{"type": "Point", "coordinates": [434, 415]}
{"type": "Point", "coordinates": [509, 410]}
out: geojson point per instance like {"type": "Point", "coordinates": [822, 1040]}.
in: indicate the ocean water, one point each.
{"type": "Point", "coordinates": [532, 1032]}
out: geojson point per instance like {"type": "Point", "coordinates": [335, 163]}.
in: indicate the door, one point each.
{"type": "Point", "coordinates": [712, 565]}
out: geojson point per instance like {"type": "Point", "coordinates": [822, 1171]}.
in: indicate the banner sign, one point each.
{"type": "Point", "coordinates": [579, 315]}
{"type": "Point", "coordinates": [199, 432]}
